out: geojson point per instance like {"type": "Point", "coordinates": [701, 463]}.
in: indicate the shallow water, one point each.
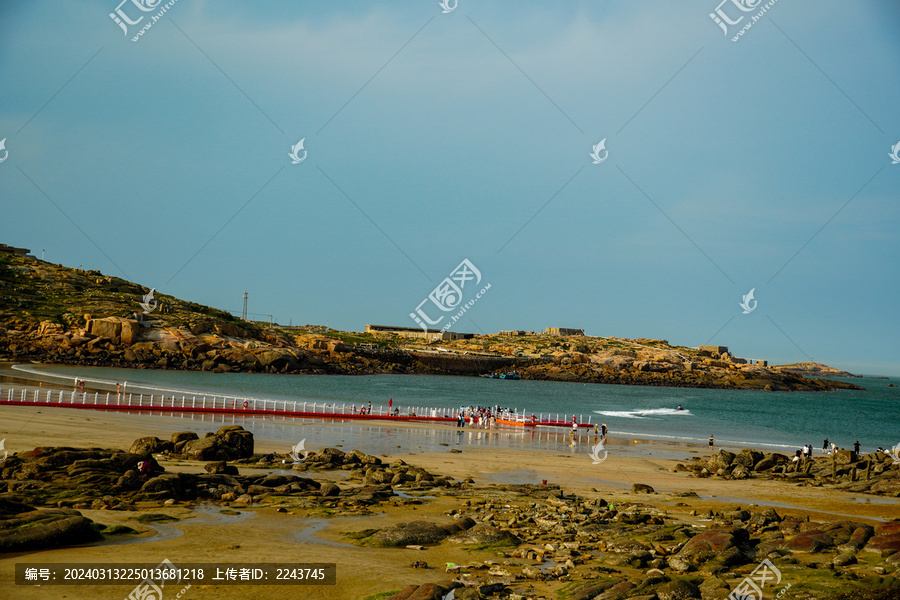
{"type": "Point", "coordinates": [307, 535]}
{"type": "Point", "coordinates": [780, 421]}
{"type": "Point", "coordinates": [163, 531]}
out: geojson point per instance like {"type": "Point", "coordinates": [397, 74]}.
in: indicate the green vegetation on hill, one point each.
{"type": "Point", "coordinates": [34, 291]}
{"type": "Point", "coordinates": [58, 314]}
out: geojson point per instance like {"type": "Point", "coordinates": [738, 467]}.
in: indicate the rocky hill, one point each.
{"type": "Point", "coordinates": [52, 313]}
{"type": "Point", "coordinates": [814, 369]}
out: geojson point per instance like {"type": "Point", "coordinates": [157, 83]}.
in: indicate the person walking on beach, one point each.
{"type": "Point", "coordinates": [118, 388]}
{"type": "Point", "coordinates": [574, 425]}
{"type": "Point", "coordinates": [711, 441]}
{"type": "Point", "coordinates": [369, 408]}
{"type": "Point", "coordinates": [603, 431]}
{"type": "Point", "coordinates": [825, 446]}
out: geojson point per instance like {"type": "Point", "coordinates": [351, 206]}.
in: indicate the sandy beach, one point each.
{"type": "Point", "coordinates": [260, 534]}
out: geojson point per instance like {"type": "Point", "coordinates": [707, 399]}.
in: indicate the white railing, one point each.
{"type": "Point", "coordinates": [237, 404]}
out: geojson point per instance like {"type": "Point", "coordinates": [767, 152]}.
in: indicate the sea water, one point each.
{"type": "Point", "coordinates": [780, 421]}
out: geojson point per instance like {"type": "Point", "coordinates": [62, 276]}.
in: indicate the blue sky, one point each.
{"type": "Point", "coordinates": [434, 138]}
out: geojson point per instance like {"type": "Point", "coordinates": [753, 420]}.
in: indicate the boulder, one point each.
{"type": "Point", "coordinates": [377, 476]}
{"type": "Point", "coordinates": [115, 329]}
{"type": "Point", "coordinates": [241, 358]}
{"type": "Point", "coordinates": [749, 458]}
{"type": "Point", "coordinates": [711, 585]}
{"type": "Point", "coordinates": [641, 488]}
{"type": "Point", "coordinates": [276, 480]}
{"type": "Point", "coordinates": [429, 591]}
{"type": "Point", "coordinates": [49, 328]}
{"type": "Point", "coordinates": [891, 487]}
{"type": "Point", "coordinates": [220, 467]}
{"type": "Point", "coordinates": [721, 460]}
{"type": "Point", "coordinates": [150, 445]}
{"type": "Point", "coordinates": [884, 545]}
{"type": "Point", "coordinates": [857, 539]}
{"type": "Point", "coordinates": [842, 560]}
{"type": "Point", "coordinates": [231, 442]}
{"type": "Point", "coordinates": [278, 359]}
{"type": "Point", "coordinates": [329, 489]}
{"type": "Point", "coordinates": [886, 528]}
{"type": "Point", "coordinates": [738, 515]}
{"type": "Point", "coordinates": [407, 534]}
{"type": "Point", "coordinates": [708, 545]}
{"type": "Point", "coordinates": [617, 592]}
{"type": "Point", "coordinates": [129, 481]}
{"type": "Point", "coordinates": [327, 455]}
{"type": "Point", "coordinates": [418, 532]}
{"type": "Point", "coordinates": [237, 438]}
{"type": "Point", "coordinates": [205, 449]}
{"type": "Point", "coordinates": [183, 436]}
{"type": "Point", "coordinates": [178, 486]}
{"type": "Point", "coordinates": [740, 472]}
{"type": "Point", "coordinates": [680, 564]}
{"type": "Point", "coordinates": [131, 329]}
{"type": "Point", "coordinates": [624, 545]}
{"type": "Point", "coordinates": [679, 589]}
{"type": "Point", "coordinates": [24, 529]}
{"type": "Point", "coordinates": [486, 534]}
{"type": "Point", "coordinates": [845, 457]}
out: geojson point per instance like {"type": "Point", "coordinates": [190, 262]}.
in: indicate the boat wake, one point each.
{"type": "Point", "coordinates": [644, 413]}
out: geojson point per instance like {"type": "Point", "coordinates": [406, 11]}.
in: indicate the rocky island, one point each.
{"type": "Point", "coordinates": [51, 313]}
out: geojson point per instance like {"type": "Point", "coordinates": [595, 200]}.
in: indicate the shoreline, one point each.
{"type": "Point", "coordinates": [652, 463]}
{"type": "Point", "coordinates": [30, 379]}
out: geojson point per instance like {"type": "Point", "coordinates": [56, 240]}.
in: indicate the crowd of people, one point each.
{"type": "Point", "coordinates": [483, 417]}
{"type": "Point", "coordinates": [827, 448]}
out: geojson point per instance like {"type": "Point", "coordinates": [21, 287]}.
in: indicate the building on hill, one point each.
{"type": "Point", "coordinates": [722, 353]}
{"type": "Point", "coordinates": [716, 349]}
{"type": "Point", "coordinates": [562, 331]}
{"type": "Point", "coordinates": [513, 332]}
{"type": "Point", "coordinates": [14, 250]}
{"type": "Point", "coordinates": [418, 333]}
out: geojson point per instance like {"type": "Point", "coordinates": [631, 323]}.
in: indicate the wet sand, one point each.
{"type": "Point", "coordinates": [260, 534]}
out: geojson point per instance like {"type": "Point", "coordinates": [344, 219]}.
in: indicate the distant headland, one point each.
{"type": "Point", "coordinates": [56, 314]}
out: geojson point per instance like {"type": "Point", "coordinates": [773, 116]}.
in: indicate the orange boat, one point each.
{"type": "Point", "coordinates": [524, 423]}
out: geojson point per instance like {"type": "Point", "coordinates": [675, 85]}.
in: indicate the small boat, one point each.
{"type": "Point", "coordinates": [516, 423]}
{"type": "Point", "coordinates": [510, 375]}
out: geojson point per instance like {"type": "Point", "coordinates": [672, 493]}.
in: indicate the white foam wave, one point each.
{"type": "Point", "coordinates": [643, 413]}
